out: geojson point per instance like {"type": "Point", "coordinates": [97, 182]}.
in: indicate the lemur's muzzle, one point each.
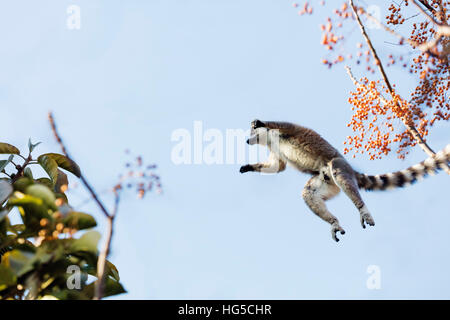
{"type": "Point", "coordinates": [252, 140]}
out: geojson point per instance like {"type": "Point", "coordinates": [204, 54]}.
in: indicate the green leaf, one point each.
{"type": "Point", "coordinates": [4, 163]}
{"type": "Point", "coordinates": [6, 148]}
{"type": "Point", "coordinates": [20, 199]}
{"type": "Point", "coordinates": [20, 261]}
{"type": "Point", "coordinates": [112, 271]}
{"type": "Point", "coordinates": [5, 190]}
{"type": "Point", "coordinates": [42, 192]}
{"type": "Point", "coordinates": [46, 182]}
{"type": "Point", "coordinates": [87, 242]}
{"type": "Point", "coordinates": [112, 288]}
{"type": "Point", "coordinates": [65, 163]}
{"type": "Point", "coordinates": [7, 277]}
{"type": "Point", "coordinates": [50, 166]}
{"type": "Point", "coordinates": [61, 181]}
{"type": "Point", "coordinates": [32, 209]}
{"type": "Point", "coordinates": [3, 214]}
{"type": "Point", "coordinates": [79, 220]}
{"type": "Point", "coordinates": [28, 173]}
{"type": "Point", "coordinates": [22, 184]}
{"type": "Point", "coordinates": [32, 146]}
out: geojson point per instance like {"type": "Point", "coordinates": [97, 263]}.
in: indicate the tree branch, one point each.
{"type": "Point", "coordinates": [426, 5]}
{"type": "Point", "coordinates": [409, 126]}
{"type": "Point", "coordinates": [101, 263]}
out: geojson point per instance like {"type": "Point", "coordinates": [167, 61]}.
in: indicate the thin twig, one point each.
{"type": "Point", "coordinates": [409, 126]}
{"type": "Point", "coordinates": [101, 263]}
{"type": "Point", "coordinates": [83, 179]}
{"type": "Point", "coordinates": [442, 30]}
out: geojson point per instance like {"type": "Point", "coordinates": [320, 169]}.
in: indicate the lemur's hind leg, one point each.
{"type": "Point", "coordinates": [317, 190]}
{"type": "Point", "coordinates": [344, 176]}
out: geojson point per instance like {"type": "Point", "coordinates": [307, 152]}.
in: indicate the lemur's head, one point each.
{"type": "Point", "coordinates": [259, 133]}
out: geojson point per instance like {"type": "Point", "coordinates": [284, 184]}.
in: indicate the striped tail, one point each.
{"type": "Point", "coordinates": [405, 177]}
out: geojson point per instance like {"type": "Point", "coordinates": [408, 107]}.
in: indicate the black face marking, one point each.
{"type": "Point", "coordinates": [257, 124]}
{"type": "Point", "coordinates": [326, 177]}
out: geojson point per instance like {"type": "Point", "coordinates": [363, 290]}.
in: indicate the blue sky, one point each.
{"type": "Point", "coordinates": [138, 70]}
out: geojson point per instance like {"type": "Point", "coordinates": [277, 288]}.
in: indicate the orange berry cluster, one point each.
{"type": "Point", "coordinates": [373, 120]}
{"type": "Point", "coordinates": [433, 73]}
{"type": "Point", "coordinates": [52, 230]}
{"type": "Point", "coordinates": [332, 39]}
{"type": "Point", "coordinates": [332, 34]}
{"type": "Point", "coordinates": [395, 17]}
{"type": "Point", "coordinates": [306, 8]}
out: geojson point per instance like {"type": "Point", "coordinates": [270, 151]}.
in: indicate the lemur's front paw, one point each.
{"type": "Point", "coordinates": [257, 124]}
{"type": "Point", "coordinates": [366, 218]}
{"type": "Point", "coordinates": [335, 227]}
{"type": "Point", "coordinates": [246, 168]}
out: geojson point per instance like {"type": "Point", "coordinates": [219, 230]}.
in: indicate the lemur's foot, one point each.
{"type": "Point", "coordinates": [257, 124]}
{"type": "Point", "coordinates": [365, 217]}
{"type": "Point", "coordinates": [246, 168]}
{"type": "Point", "coordinates": [335, 227]}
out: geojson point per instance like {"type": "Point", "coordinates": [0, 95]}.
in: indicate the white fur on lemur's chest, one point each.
{"type": "Point", "coordinates": [297, 157]}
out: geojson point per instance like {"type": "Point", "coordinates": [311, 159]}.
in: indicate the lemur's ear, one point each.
{"type": "Point", "coordinates": [257, 124]}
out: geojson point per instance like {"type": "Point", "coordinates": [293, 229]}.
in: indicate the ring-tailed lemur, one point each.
{"type": "Point", "coordinates": [308, 152]}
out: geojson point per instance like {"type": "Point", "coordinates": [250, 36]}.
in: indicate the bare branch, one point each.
{"type": "Point", "coordinates": [83, 179]}
{"type": "Point", "coordinates": [426, 5]}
